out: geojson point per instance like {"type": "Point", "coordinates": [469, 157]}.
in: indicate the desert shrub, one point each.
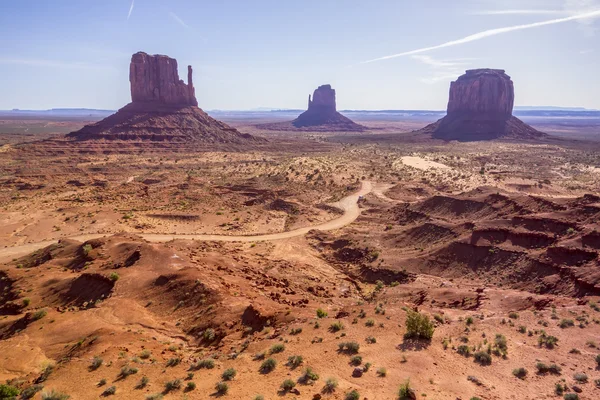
{"type": "Point", "coordinates": [259, 397]}
{"type": "Point", "coordinates": [155, 396]}
{"type": "Point", "coordinates": [309, 375]}
{"type": "Point", "coordinates": [418, 326]}
{"type": "Point", "coordinates": [277, 348]}
{"type": "Point", "coordinates": [336, 326]}
{"type": "Point", "coordinates": [500, 345]}
{"type": "Point", "coordinates": [469, 320]}
{"type": "Point", "coordinates": [571, 396]}
{"type": "Point", "coordinates": [54, 395]}
{"type": "Point", "coordinates": [520, 373]}
{"type": "Point", "coordinates": [101, 382]}
{"type": "Point", "coordinates": [204, 364]}
{"type": "Point", "coordinates": [268, 365]}
{"type": "Point", "coordinates": [464, 350]}
{"type": "Point", "coordinates": [382, 372]}
{"type": "Point", "coordinates": [109, 391]}
{"type": "Point", "coordinates": [483, 358]}
{"type": "Point", "coordinates": [513, 315]}
{"type": "Point", "coordinates": [522, 329]}
{"type": "Point", "coordinates": [288, 385]}
{"type": "Point", "coordinates": [330, 385]}
{"type": "Point", "coordinates": [598, 360]}
{"type": "Point", "coordinates": [228, 374]}
{"type": "Point", "coordinates": [321, 313]}
{"type": "Point", "coordinates": [145, 354]}
{"type": "Point", "coordinates": [547, 341]}
{"type": "Point", "coordinates": [26, 302]}
{"type": "Point", "coordinates": [142, 383]}
{"type": "Point", "coordinates": [296, 331]}
{"type": "Point", "coordinates": [172, 385]}
{"type": "Point", "coordinates": [114, 276]}
{"type": "Point", "coordinates": [8, 392]}
{"type": "Point", "coordinates": [405, 392]}
{"type": "Point", "coordinates": [370, 323]}
{"type": "Point", "coordinates": [209, 335]}
{"type": "Point", "coordinates": [39, 314]}
{"type": "Point", "coordinates": [371, 340]}
{"type": "Point", "coordinates": [96, 363]}
{"type": "Point", "coordinates": [295, 361]}
{"type": "Point", "coordinates": [173, 362]}
{"type": "Point", "coordinates": [352, 395]}
{"type": "Point", "coordinates": [545, 369]}
{"type": "Point", "coordinates": [566, 323]}
{"type": "Point", "coordinates": [580, 377]}
{"type": "Point", "coordinates": [29, 392]}
{"type": "Point", "coordinates": [126, 371]}
{"type": "Point", "coordinates": [349, 347]}
{"type": "Point", "coordinates": [222, 388]}
{"type": "Point", "coordinates": [356, 360]}
{"type": "Point", "coordinates": [190, 386]}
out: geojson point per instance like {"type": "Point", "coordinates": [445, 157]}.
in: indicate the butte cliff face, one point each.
{"type": "Point", "coordinates": [322, 112]}
{"type": "Point", "coordinates": [163, 109]}
{"type": "Point", "coordinates": [480, 108]}
{"type": "Point", "coordinates": [321, 116]}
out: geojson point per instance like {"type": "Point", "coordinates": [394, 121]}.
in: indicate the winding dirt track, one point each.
{"type": "Point", "coordinates": [349, 204]}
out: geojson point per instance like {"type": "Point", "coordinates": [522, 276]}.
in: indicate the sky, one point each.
{"type": "Point", "coordinates": [377, 54]}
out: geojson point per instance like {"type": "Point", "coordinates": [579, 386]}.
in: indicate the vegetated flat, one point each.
{"type": "Point", "coordinates": [496, 242]}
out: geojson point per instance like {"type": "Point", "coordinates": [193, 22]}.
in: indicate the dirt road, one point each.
{"type": "Point", "coordinates": [349, 204]}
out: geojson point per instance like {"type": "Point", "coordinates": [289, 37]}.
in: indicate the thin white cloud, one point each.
{"type": "Point", "coordinates": [520, 12]}
{"type": "Point", "coordinates": [491, 32]}
{"type": "Point", "coordinates": [178, 20]}
{"type": "Point", "coordinates": [130, 9]}
{"type": "Point", "coordinates": [441, 70]}
{"type": "Point", "coordinates": [35, 62]}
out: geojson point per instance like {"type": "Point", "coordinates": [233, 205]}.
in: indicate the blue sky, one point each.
{"type": "Point", "coordinates": [273, 53]}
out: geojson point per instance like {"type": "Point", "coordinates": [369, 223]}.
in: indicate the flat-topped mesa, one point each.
{"type": "Point", "coordinates": [482, 91]}
{"type": "Point", "coordinates": [155, 79]}
{"type": "Point", "coordinates": [323, 99]}
{"type": "Point", "coordinates": [480, 108]}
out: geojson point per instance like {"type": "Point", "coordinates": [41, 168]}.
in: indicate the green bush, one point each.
{"type": "Point", "coordinates": [222, 388]}
{"type": "Point", "coordinates": [8, 392]}
{"type": "Point", "coordinates": [204, 364]}
{"type": "Point", "coordinates": [109, 391]}
{"type": "Point", "coordinates": [571, 396]}
{"type": "Point", "coordinates": [173, 362]}
{"type": "Point", "coordinates": [520, 373]}
{"type": "Point", "coordinates": [418, 326]}
{"type": "Point", "coordinates": [321, 313]}
{"type": "Point", "coordinates": [349, 347]}
{"type": "Point", "coordinates": [114, 276]}
{"type": "Point", "coordinates": [96, 363]}
{"type": "Point", "coordinates": [277, 348]}
{"type": "Point", "coordinates": [580, 377]}
{"type": "Point", "coordinates": [39, 314]}
{"type": "Point", "coordinates": [295, 361]}
{"type": "Point", "coordinates": [126, 371]}
{"type": "Point", "coordinates": [566, 323]}
{"type": "Point", "coordinates": [483, 358]}
{"type": "Point", "coordinates": [155, 396]}
{"type": "Point", "coordinates": [330, 385]}
{"type": "Point", "coordinates": [142, 383]}
{"type": "Point", "coordinates": [268, 365]}
{"type": "Point", "coordinates": [382, 372]}
{"type": "Point", "coordinates": [288, 385]}
{"type": "Point", "coordinates": [405, 392]}
{"type": "Point", "coordinates": [547, 341]}
{"type": "Point", "coordinates": [464, 350]}
{"type": "Point", "coordinates": [172, 385]}
{"type": "Point", "coordinates": [545, 369]}
{"type": "Point", "coordinates": [309, 375]}
{"type": "Point", "coordinates": [54, 395]}
{"type": "Point", "coordinates": [228, 374]}
{"type": "Point", "coordinates": [190, 386]}
{"type": "Point", "coordinates": [26, 302]}
{"type": "Point", "coordinates": [352, 395]}
{"type": "Point", "coordinates": [336, 327]}
{"type": "Point", "coordinates": [29, 392]}
{"type": "Point", "coordinates": [356, 360]}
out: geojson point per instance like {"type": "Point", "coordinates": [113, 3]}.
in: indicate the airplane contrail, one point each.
{"type": "Point", "coordinates": [130, 9]}
{"type": "Point", "coordinates": [491, 32]}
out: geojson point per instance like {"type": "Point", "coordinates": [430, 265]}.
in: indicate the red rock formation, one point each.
{"type": "Point", "coordinates": [322, 113]}
{"type": "Point", "coordinates": [155, 79]}
{"type": "Point", "coordinates": [480, 108]}
{"type": "Point", "coordinates": [163, 109]}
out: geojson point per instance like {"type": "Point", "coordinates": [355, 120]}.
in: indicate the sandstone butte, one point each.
{"type": "Point", "coordinates": [163, 108]}
{"type": "Point", "coordinates": [480, 107]}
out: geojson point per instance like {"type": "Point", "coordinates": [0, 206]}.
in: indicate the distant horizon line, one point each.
{"type": "Point", "coordinates": [275, 109]}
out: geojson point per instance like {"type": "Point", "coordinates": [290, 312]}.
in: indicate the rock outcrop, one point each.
{"type": "Point", "coordinates": [480, 108]}
{"type": "Point", "coordinates": [322, 111]}
{"type": "Point", "coordinates": [321, 116]}
{"type": "Point", "coordinates": [163, 109]}
{"type": "Point", "coordinates": [155, 79]}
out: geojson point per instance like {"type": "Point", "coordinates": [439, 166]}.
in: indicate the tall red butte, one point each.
{"type": "Point", "coordinates": [163, 108]}
{"type": "Point", "coordinates": [480, 108]}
